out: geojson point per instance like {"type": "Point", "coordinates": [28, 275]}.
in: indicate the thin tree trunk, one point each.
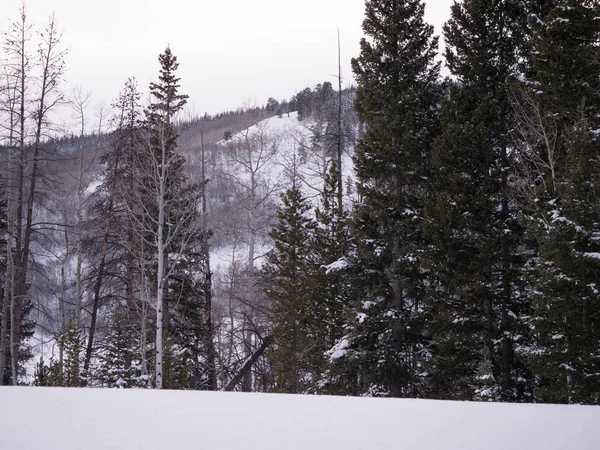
{"type": "Point", "coordinates": [78, 288]}
{"type": "Point", "coordinates": [160, 271]}
{"type": "Point", "coordinates": [159, 308]}
{"type": "Point", "coordinates": [232, 281]}
{"type": "Point", "coordinates": [6, 301]}
{"type": "Point", "coordinates": [247, 384]}
{"type": "Point", "coordinates": [398, 338]}
{"type": "Point", "coordinates": [16, 294]}
{"type": "Point", "coordinates": [340, 144]}
{"type": "Point", "coordinates": [101, 266]}
{"type": "Point", "coordinates": [63, 300]}
{"type": "Point", "coordinates": [144, 341]}
{"type": "Point", "coordinates": [506, 275]}
{"type": "Point", "coordinates": [8, 275]}
{"type": "Point", "coordinates": [248, 364]}
{"type": "Point", "coordinates": [14, 350]}
{"type": "Point", "coordinates": [210, 345]}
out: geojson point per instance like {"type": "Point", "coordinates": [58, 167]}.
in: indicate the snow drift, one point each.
{"type": "Point", "coordinates": [58, 418]}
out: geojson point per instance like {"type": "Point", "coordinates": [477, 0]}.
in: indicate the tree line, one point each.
{"type": "Point", "coordinates": [462, 265]}
{"type": "Point", "coordinates": [469, 264]}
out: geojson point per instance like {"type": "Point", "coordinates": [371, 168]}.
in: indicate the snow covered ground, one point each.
{"type": "Point", "coordinates": [67, 419]}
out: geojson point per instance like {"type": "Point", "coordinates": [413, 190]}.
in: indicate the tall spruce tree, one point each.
{"type": "Point", "coordinates": [397, 99]}
{"type": "Point", "coordinates": [164, 207]}
{"type": "Point", "coordinates": [288, 271]}
{"type": "Point", "coordinates": [558, 114]}
{"type": "Point", "coordinates": [475, 253]}
{"type": "Point", "coordinates": [329, 284]}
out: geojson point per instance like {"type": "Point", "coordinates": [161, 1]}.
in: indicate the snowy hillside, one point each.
{"type": "Point", "coordinates": [274, 152]}
{"type": "Point", "coordinates": [140, 419]}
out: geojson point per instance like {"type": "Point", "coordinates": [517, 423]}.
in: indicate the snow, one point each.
{"type": "Point", "coordinates": [285, 134]}
{"type": "Point", "coordinates": [339, 350]}
{"type": "Point", "coordinates": [340, 264]}
{"type": "Point", "coordinates": [92, 186]}
{"type": "Point", "coordinates": [59, 418]}
{"type": "Point", "coordinates": [368, 305]}
{"type": "Point", "coordinates": [592, 255]}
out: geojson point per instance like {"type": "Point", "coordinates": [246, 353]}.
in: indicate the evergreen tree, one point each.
{"type": "Point", "coordinates": [288, 270]}
{"type": "Point", "coordinates": [68, 372]}
{"type": "Point", "coordinates": [558, 118]}
{"type": "Point", "coordinates": [120, 363]}
{"type": "Point", "coordinates": [186, 364]}
{"type": "Point", "coordinates": [397, 98]}
{"type": "Point", "coordinates": [330, 248]}
{"type": "Point", "coordinates": [475, 240]}
{"type": "Point", "coordinates": [328, 285]}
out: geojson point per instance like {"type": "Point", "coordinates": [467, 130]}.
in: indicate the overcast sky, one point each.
{"type": "Point", "coordinates": [230, 51]}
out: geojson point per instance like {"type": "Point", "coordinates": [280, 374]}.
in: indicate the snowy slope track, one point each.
{"type": "Point", "coordinates": [67, 419]}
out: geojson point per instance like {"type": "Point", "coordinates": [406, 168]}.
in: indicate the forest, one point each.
{"type": "Point", "coordinates": [431, 231]}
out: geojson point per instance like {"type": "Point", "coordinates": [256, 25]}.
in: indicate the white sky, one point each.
{"type": "Point", "coordinates": [230, 51]}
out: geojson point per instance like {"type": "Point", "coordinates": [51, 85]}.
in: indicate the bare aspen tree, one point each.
{"type": "Point", "coordinates": [79, 103]}
{"type": "Point", "coordinates": [536, 142]}
{"type": "Point", "coordinates": [51, 62]}
{"type": "Point", "coordinates": [209, 332]}
{"type": "Point", "coordinates": [9, 104]}
{"type": "Point", "coordinates": [15, 43]}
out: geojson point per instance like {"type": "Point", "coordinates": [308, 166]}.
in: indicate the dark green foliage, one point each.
{"type": "Point", "coordinates": [471, 222]}
{"type": "Point", "coordinates": [120, 356]}
{"type": "Point", "coordinates": [330, 284]}
{"type": "Point", "coordinates": [330, 244]}
{"type": "Point", "coordinates": [397, 97]}
{"type": "Point", "coordinates": [560, 154]}
{"type": "Point", "coordinates": [68, 371]}
{"type": "Point", "coordinates": [289, 269]}
{"type": "Point", "coordinates": [185, 363]}
{"type": "Point", "coordinates": [43, 375]}
{"type": "Point", "coordinates": [72, 342]}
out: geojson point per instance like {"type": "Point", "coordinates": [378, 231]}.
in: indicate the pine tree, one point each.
{"type": "Point", "coordinates": [471, 221]}
{"type": "Point", "coordinates": [331, 288]}
{"type": "Point", "coordinates": [330, 247]}
{"type": "Point", "coordinates": [288, 271]}
{"type": "Point", "coordinates": [120, 363]}
{"type": "Point", "coordinates": [558, 119]}
{"type": "Point", "coordinates": [69, 373]}
{"type": "Point", "coordinates": [186, 364]}
{"type": "Point", "coordinates": [397, 97]}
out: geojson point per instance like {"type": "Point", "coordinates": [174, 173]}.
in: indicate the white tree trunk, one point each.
{"type": "Point", "coordinates": [160, 271]}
